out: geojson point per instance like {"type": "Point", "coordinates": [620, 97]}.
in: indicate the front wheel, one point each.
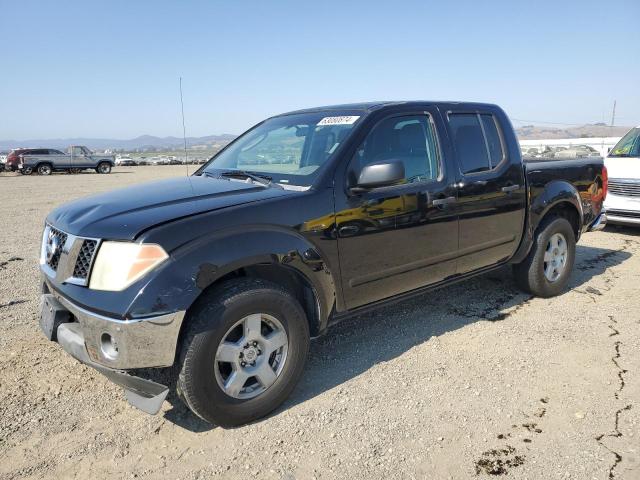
{"type": "Point", "coordinates": [26, 171]}
{"type": "Point", "coordinates": [104, 167]}
{"type": "Point", "coordinates": [44, 169]}
{"type": "Point", "coordinates": [243, 353]}
{"type": "Point", "coordinates": [546, 270]}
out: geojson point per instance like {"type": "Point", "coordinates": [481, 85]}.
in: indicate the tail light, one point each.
{"type": "Point", "coordinates": [605, 182]}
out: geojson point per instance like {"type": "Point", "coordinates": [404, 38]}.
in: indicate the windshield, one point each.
{"type": "Point", "coordinates": [288, 149]}
{"type": "Point", "coordinates": [628, 146]}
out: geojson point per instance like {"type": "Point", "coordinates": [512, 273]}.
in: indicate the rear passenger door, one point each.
{"type": "Point", "coordinates": [491, 189]}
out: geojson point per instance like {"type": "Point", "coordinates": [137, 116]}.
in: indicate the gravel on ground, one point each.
{"type": "Point", "coordinates": [477, 379]}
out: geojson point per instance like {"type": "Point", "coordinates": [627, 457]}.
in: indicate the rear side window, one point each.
{"type": "Point", "coordinates": [494, 145]}
{"type": "Point", "coordinates": [477, 141]}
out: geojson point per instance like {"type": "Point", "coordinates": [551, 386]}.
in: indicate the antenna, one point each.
{"type": "Point", "coordinates": [184, 130]}
{"type": "Point", "coordinates": [613, 114]}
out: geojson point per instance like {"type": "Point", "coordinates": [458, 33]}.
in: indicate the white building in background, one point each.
{"type": "Point", "coordinates": [601, 144]}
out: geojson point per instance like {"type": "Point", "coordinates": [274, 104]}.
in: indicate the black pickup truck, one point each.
{"type": "Point", "coordinates": [305, 219]}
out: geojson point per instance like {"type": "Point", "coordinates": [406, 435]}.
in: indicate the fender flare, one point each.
{"type": "Point", "coordinates": [554, 193]}
{"type": "Point", "coordinates": [200, 263]}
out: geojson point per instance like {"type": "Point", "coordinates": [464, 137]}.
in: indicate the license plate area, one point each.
{"type": "Point", "coordinates": [52, 314]}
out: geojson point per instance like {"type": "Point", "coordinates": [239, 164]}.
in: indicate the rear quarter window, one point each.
{"type": "Point", "coordinates": [493, 138]}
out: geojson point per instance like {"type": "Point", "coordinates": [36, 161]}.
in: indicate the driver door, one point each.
{"type": "Point", "coordinates": [401, 237]}
{"type": "Point", "coordinates": [78, 157]}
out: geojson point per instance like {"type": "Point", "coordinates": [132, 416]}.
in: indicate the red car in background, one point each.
{"type": "Point", "coordinates": [13, 159]}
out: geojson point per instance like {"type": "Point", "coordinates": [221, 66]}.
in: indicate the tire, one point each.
{"type": "Point", "coordinates": [532, 274]}
{"type": "Point", "coordinates": [26, 171]}
{"type": "Point", "coordinates": [44, 169]}
{"type": "Point", "coordinates": [201, 382]}
{"type": "Point", "coordinates": [103, 167]}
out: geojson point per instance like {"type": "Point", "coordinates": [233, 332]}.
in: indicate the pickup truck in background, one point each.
{"type": "Point", "coordinates": [623, 163]}
{"type": "Point", "coordinates": [306, 219]}
{"type": "Point", "coordinates": [76, 159]}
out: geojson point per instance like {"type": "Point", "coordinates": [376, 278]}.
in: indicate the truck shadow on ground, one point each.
{"type": "Point", "coordinates": [355, 345]}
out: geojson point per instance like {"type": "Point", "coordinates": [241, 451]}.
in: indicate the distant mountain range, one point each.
{"type": "Point", "coordinates": [142, 142]}
{"type": "Point", "coordinates": [537, 132]}
{"type": "Point", "coordinates": [527, 132]}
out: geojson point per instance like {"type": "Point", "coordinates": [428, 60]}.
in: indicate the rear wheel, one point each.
{"type": "Point", "coordinates": [243, 352]}
{"type": "Point", "coordinates": [103, 167]}
{"type": "Point", "coordinates": [44, 169]}
{"type": "Point", "coordinates": [26, 171]}
{"type": "Point", "coordinates": [546, 270]}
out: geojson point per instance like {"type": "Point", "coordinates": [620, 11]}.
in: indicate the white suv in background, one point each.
{"type": "Point", "coordinates": [623, 164]}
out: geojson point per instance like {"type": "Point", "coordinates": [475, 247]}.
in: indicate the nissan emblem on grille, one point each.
{"type": "Point", "coordinates": [53, 249]}
{"type": "Point", "coordinates": [68, 257]}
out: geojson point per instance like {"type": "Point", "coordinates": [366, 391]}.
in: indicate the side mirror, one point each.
{"type": "Point", "coordinates": [379, 175]}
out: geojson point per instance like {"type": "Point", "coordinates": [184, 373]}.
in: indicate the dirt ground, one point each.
{"type": "Point", "coordinates": [473, 380]}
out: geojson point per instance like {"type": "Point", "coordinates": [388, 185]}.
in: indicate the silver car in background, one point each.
{"type": "Point", "coordinates": [76, 159]}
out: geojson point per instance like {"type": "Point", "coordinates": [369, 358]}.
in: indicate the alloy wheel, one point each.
{"type": "Point", "coordinates": [251, 356]}
{"type": "Point", "coordinates": [555, 257]}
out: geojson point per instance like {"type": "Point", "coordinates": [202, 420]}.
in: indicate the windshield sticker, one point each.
{"type": "Point", "coordinates": [350, 120]}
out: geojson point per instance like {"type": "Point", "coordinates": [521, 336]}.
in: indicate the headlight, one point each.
{"type": "Point", "coordinates": [119, 264]}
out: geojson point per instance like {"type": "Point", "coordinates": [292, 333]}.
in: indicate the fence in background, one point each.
{"type": "Point", "coordinates": [568, 147]}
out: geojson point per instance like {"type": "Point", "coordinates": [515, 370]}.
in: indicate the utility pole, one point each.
{"type": "Point", "coordinates": [613, 114]}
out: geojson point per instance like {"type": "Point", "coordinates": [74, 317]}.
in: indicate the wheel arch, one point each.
{"type": "Point", "coordinates": [291, 279]}
{"type": "Point", "coordinates": [275, 254]}
{"type": "Point", "coordinates": [558, 197]}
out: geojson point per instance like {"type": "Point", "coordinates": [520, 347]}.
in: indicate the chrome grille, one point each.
{"type": "Point", "coordinates": [625, 188]}
{"type": "Point", "coordinates": [66, 257]}
{"type": "Point", "coordinates": [60, 238]}
{"type": "Point", "coordinates": [85, 258]}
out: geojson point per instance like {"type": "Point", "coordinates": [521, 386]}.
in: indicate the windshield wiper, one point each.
{"type": "Point", "coordinates": [255, 177]}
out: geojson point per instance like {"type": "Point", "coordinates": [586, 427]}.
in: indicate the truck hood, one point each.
{"type": "Point", "coordinates": [124, 213]}
{"type": "Point", "coordinates": [623, 167]}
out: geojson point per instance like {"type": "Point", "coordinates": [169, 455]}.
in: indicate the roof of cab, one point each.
{"type": "Point", "coordinates": [371, 106]}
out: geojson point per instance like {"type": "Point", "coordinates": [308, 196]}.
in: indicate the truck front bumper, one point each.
{"type": "Point", "coordinates": [623, 210]}
{"type": "Point", "coordinates": [112, 346]}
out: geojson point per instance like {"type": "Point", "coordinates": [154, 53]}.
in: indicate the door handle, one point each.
{"type": "Point", "coordinates": [443, 201]}
{"type": "Point", "coordinates": [510, 188]}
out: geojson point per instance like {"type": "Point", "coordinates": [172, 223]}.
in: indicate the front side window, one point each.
{"type": "Point", "coordinates": [78, 151]}
{"type": "Point", "coordinates": [289, 148]}
{"type": "Point", "coordinates": [628, 146]}
{"type": "Point", "coordinates": [409, 139]}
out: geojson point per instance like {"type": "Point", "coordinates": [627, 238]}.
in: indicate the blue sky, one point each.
{"type": "Point", "coordinates": [111, 68]}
